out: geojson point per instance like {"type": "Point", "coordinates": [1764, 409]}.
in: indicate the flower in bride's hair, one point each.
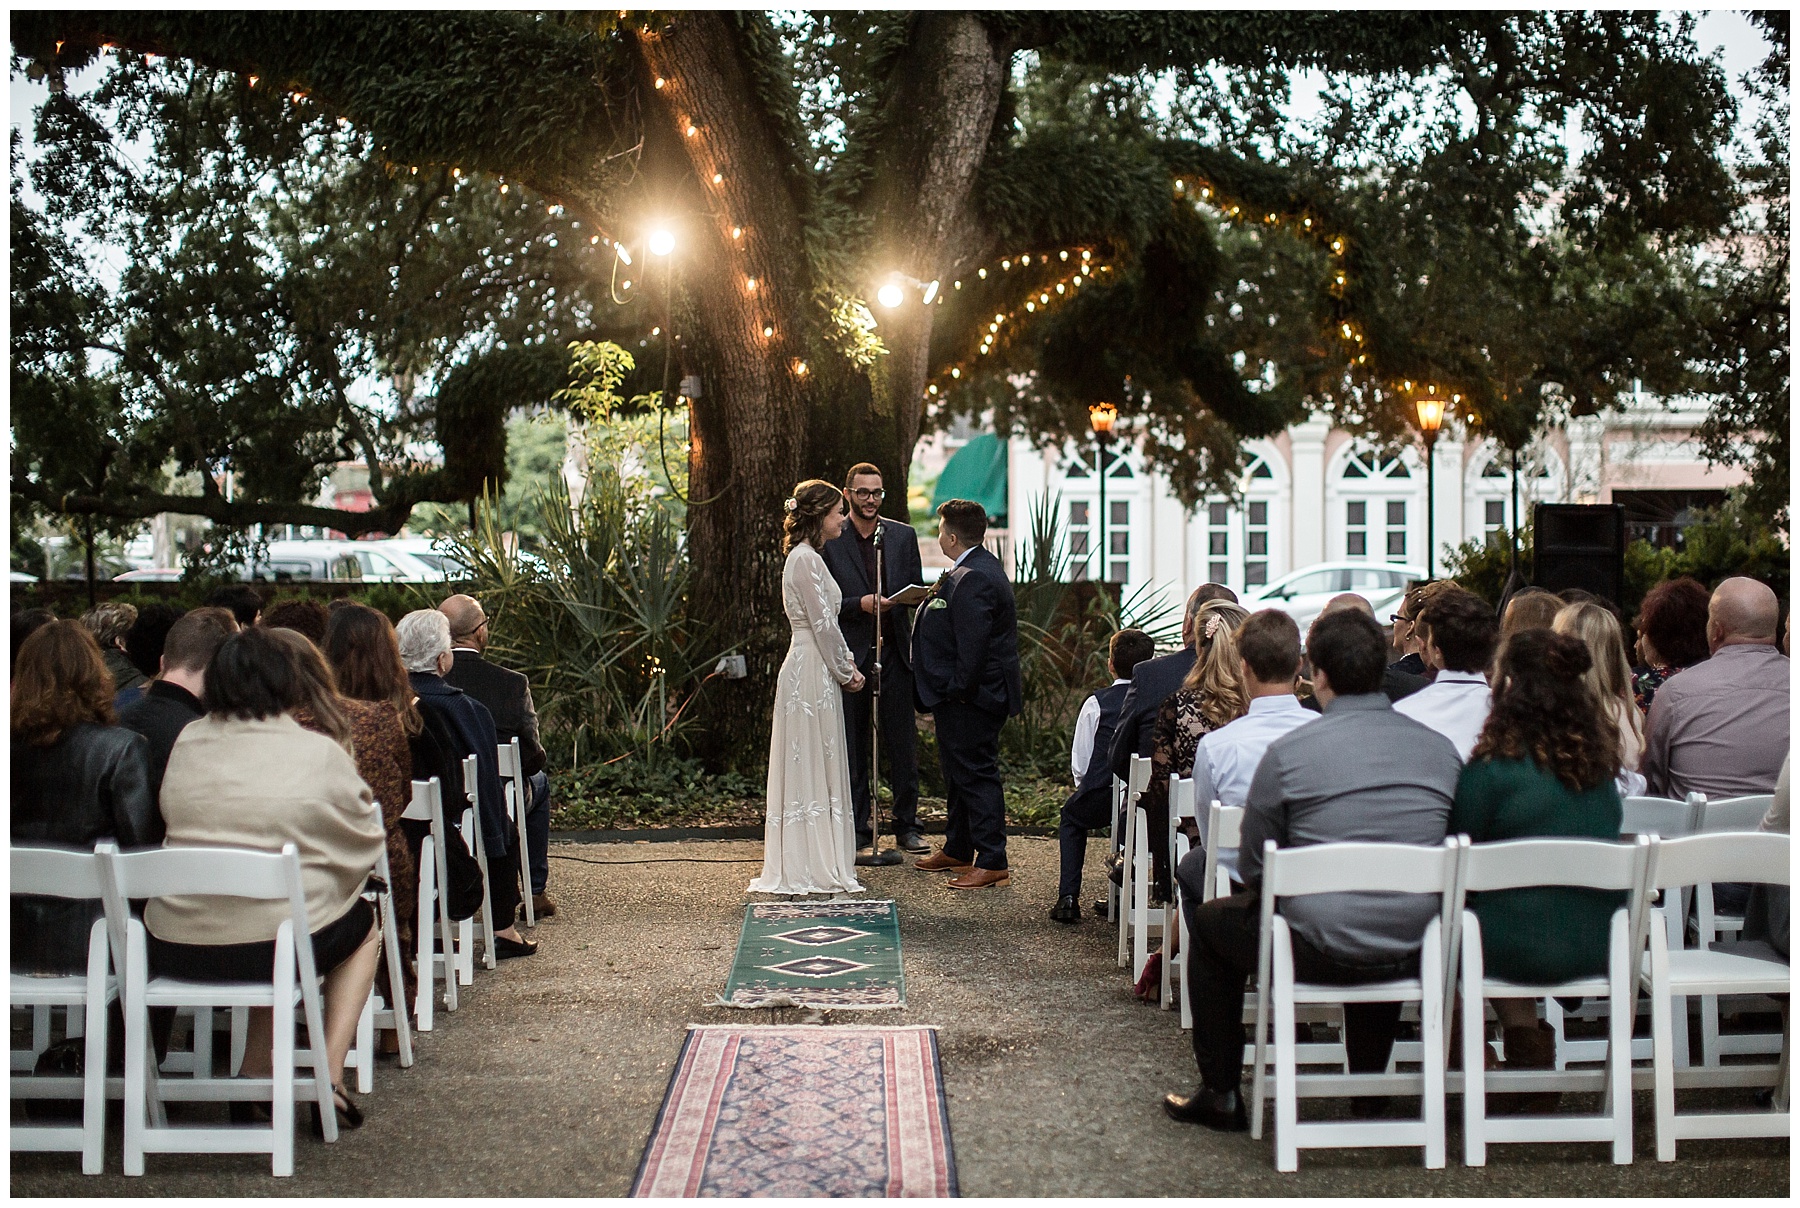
{"type": "Point", "coordinates": [789, 504]}
{"type": "Point", "coordinates": [1212, 626]}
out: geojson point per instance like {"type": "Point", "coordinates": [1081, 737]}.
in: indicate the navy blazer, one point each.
{"type": "Point", "coordinates": [1153, 681]}
{"type": "Point", "coordinates": [900, 566]}
{"type": "Point", "coordinates": [967, 650]}
{"type": "Point", "coordinates": [469, 726]}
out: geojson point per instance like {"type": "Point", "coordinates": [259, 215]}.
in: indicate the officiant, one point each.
{"type": "Point", "coordinates": [851, 558]}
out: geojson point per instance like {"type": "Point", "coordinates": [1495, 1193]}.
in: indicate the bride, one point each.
{"type": "Point", "coordinates": [809, 843]}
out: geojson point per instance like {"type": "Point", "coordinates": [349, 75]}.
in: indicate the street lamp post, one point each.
{"type": "Point", "coordinates": [1431, 418]}
{"type": "Point", "coordinates": [1102, 417]}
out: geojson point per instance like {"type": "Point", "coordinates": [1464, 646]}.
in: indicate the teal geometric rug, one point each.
{"type": "Point", "coordinates": [824, 955]}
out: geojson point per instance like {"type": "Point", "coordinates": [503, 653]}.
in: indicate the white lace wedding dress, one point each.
{"type": "Point", "coordinates": [809, 840]}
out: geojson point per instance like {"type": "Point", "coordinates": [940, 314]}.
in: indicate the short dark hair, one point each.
{"type": "Point", "coordinates": [26, 623]}
{"type": "Point", "coordinates": [1128, 648]}
{"type": "Point", "coordinates": [1349, 647]}
{"type": "Point", "coordinates": [243, 600]}
{"type": "Point", "coordinates": [861, 467]}
{"type": "Point", "coordinates": [966, 518]}
{"type": "Point", "coordinates": [196, 637]}
{"type": "Point", "coordinates": [144, 640]}
{"type": "Point", "coordinates": [307, 618]}
{"type": "Point", "coordinates": [1463, 628]}
{"type": "Point", "coordinates": [251, 677]}
{"type": "Point", "coordinates": [1269, 641]}
{"type": "Point", "coordinates": [1673, 617]}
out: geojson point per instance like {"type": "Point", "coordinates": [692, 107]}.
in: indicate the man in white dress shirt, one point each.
{"type": "Point", "coordinates": [1269, 646]}
{"type": "Point", "coordinates": [1459, 632]}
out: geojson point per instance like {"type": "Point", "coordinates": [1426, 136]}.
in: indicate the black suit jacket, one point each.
{"type": "Point", "coordinates": [507, 695]}
{"type": "Point", "coordinates": [967, 651]}
{"type": "Point", "coordinates": [900, 566]}
{"type": "Point", "coordinates": [1152, 682]}
{"type": "Point", "coordinates": [160, 715]}
{"type": "Point", "coordinates": [464, 727]}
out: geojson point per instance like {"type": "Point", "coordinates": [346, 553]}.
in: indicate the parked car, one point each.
{"type": "Point", "coordinates": [304, 562]}
{"type": "Point", "coordinates": [150, 574]}
{"type": "Point", "coordinates": [441, 560]}
{"type": "Point", "coordinates": [1303, 593]}
{"type": "Point", "coordinates": [386, 562]}
{"type": "Point", "coordinates": [19, 576]}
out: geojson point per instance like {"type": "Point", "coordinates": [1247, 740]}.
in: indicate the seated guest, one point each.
{"type": "Point", "coordinates": [1211, 696]}
{"type": "Point", "coordinates": [1361, 773]}
{"type": "Point", "coordinates": [1721, 727]}
{"type": "Point", "coordinates": [1268, 647]}
{"type": "Point", "coordinates": [26, 623]}
{"type": "Point", "coordinates": [304, 617]}
{"type": "Point", "coordinates": [1090, 807]}
{"type": "Point", "coordinates": [1458, 635]}
{"type": "Point", "coordinates": [247, 775]}
{"type": "Point", "coordinates": [1406, 629]}
{"type": "Point", "coordinates": [172, 699]}
{"type": "Point", "coordinates": [1154, 681]}
{"type": "Point", "coordinates": [507, 695]}
{"type": "Point", "coordinates": [461, 726]}
{"type": "Point", "coordinates": [109, 624]}
{"type": "Point", "coordinates": [1533, 608]}
{"type": "Point", "coordinates": [1609, 679]}
{"type": "Point", "coordinates": [144, 647]}
{"type": "Point", "coordinates": [244, 601]}
{"type": "Point", "coordinates": [1671, 628]}
{"type": "Point", "coordinates": [376, 741]}
{"type": "Point", "coordinates": [76, 779]}
{"type": "Point", "coordinates": [1396, 684]}
{"type": "Point", "coordinates": [1542, 768]}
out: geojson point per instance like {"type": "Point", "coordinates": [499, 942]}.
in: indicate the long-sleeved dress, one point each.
{"type": "Point", "coordinates": [809, 839]}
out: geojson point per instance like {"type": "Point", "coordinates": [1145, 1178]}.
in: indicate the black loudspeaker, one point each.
{"type": "Point", "coordinates": [1579, 545]}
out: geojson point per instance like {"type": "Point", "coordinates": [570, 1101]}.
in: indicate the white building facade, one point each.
{"type": "Point", "coordinates": [1315, 493]}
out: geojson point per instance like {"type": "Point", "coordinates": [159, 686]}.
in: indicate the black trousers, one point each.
{"type": "Point", "coordinates": [1082, 813]}
{"type": "Point", "coordinates": [969, 754]}
{"type": "Point", "coordinates": [1223, 935]}
{"type": "Point", "coordinates": [899, 745]}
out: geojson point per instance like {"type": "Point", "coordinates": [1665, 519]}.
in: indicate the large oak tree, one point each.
{"type": "Point", "coordinates": [1086, 238]}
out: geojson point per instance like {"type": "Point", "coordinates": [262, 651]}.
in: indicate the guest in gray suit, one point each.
{"type": "Point", "coordinates": [1361, 773]}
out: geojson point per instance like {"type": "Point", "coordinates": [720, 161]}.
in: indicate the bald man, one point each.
{"type": "Point", "coordinates": [507, 695]}
{"type": "Point", "coordinates": [1721, 727]}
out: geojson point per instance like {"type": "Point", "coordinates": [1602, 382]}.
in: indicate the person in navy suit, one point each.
{"type": "Point", "coordinates": [965, 660]}
{"type": "Point", "coordinates": [850, 557]}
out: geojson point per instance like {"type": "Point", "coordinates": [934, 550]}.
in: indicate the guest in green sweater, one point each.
{"type": "Point", "coordinates": [1543, 768]}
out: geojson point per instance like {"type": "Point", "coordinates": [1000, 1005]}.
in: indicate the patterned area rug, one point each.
{"type": "Point", "coordinates": [823, 955]}
{"type": "Point", "coordinates": [802, 1111]}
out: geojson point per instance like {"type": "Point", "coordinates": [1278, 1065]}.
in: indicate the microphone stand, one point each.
{"type": "Point", "coordinates": [877, 858]}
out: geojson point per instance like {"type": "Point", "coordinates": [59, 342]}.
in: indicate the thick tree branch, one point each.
{"type": "Point", "coordinates": [386, 517]}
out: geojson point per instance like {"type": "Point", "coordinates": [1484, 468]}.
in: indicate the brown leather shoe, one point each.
{"type": "Point", "coordinates": [981, 878]}
{"type": "Point", "coordinates": [542, 905]}
{"type": "Point", "coordinates": [939, 862]}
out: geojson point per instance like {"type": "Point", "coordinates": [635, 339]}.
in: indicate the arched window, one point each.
{"type": "Point", "coordinates": [1374, 500]}
{"type": "Point", "coordinates": [1237, 543]}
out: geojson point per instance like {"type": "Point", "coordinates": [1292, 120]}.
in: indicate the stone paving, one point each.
{"type": "Point", "coordinates": [546, 1082]}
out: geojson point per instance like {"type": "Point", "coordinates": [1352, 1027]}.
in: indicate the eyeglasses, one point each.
{"type": "Point", "coordinates": [1399, 618]}
{"type": "Point", "coordinates": [877, 494]}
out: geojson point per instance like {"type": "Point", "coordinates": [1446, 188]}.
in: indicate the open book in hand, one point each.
{"type": "Point", "coordinates": [914, 594]}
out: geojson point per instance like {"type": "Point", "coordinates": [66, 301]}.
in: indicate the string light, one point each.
{"type": "Point", "coordinates": [253, 80]}
{"type": "Point", "coordinates": [625, 285]}
{"type": "Point", "coordinates": [768, 331]}
{"type": "Point", "coordinates": [750, 284]}
{"type": "Point", "coordinates": [718, 179]}
{"type": "Point", "coordinates": [737, 232]}
{"type": "Point", "coordinates": [982, 273]}
{"type": "Point", "coordinates": [692, 130]}
{"type": "Point", "coordinates": [660, 81]}
{"type": "Point", "coordinates": [799, 368]}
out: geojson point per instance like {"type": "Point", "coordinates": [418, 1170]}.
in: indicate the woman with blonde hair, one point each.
{"type": "Point", "coordinates": [1213, 694]}
{"type": "Point", "coordinates": [809, 838]}
{"type": "Point", "coordinates": [1609, 679]}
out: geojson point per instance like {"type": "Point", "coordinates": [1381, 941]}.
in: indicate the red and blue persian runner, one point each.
{"type": "Point", "coordinates": [802, 1111]}
{"type": "Point", "coordinates": [834, 956]}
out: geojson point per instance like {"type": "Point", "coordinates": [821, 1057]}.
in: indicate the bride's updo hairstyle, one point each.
{"type": "Point", "coordinates": [807, 507]}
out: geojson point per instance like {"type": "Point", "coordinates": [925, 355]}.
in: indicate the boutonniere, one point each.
{"type": "Point", "coordinates": [937, 602]}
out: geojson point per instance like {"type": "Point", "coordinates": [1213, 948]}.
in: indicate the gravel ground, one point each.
{"type": "Point", "coordinates": [546, 1082]}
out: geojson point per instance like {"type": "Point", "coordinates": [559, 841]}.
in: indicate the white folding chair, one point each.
{"type": "Point", "coordinates": [1137, 923]}
{"type": "Point", "coordinates": [471, 829]}
{"type": "Point", "coordinates": [1351, 868]}
{"type": "Point", "coordinates": [56, 872]}
{"type": "Point", "coordinates": [223, 873]}
{"type": "Point", "coordinates": [429, 964]}
{"type": "Point", "coordinates": [1113, 892]}
{"type": "Point", "coordinates": [1730, 814]}
{"type": "Point", "coordinates": [1661, 816]}
{"type": "Point", "coordinates": [377, 1015]}
{"type": "Point", "coordinates": [1531, 863]}
{"type": "Point", "coordinates": [1181, 805]}
{"type": "Point", "coordinates": [1740, 968]}
{"type": "Point", "coordinates": [517, 787]}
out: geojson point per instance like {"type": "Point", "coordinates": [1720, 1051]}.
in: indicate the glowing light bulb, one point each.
{"type": "Point", "coordinates": [1337, 245]}
{"type": "Point", "coordinates": [718, 179]}
{"type": "Point", "coordinates": [1064, 254]}
{"type": "Point", "coordinates": [1024, 259]}
{"type": "Point", "coordinates": [595, 239]}
{"type": "Point", "coordinates": [956, 373]}
{"type": "Point", "coordinates": [931, 389]}
{"type": "Point", "coordinates": [890, 295]}
{"type": "Point", "coordinates": [1030, 306]}
{"type": "Point", "coordinates": [959, 285]}
{"type": "Point", "coordinates": [982, 273]}
{"type": "Point", "coordinates": [737, 232]}
{"type": "Point", "coordinates": [660, 81]}
{"type": "Point", "coordinates": [661, 243]}
{"type": "Point", "coordinates": [624, 255]}
{"type": "Point", "coordinates": [253, 79]}
{"type": "Point", "coordinates": [1078, 278]}
{"type": "Point", "coordinates": [767, 332]}
{"type": "Point", "coordinates": [1059, 287]}
{"type": "Point", "coordinates": [750, 284]}
{"type": "Point", "coordinates": [692, 130]}
{"type": "Point", "coordinates": [656, 331]}
{"type": "Point", "coordinates": [930, 294]}
{"type": "Point", "coordinates": [625, 285]}
{"type": "Point", "coordinates": [799, 368]}
{"type": "Point", "coordinates": [1006, 265]}
{"type": "Point", "coordinates": [503, 189]}
{"type": "Point", "coordinates": [1086, 255]}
